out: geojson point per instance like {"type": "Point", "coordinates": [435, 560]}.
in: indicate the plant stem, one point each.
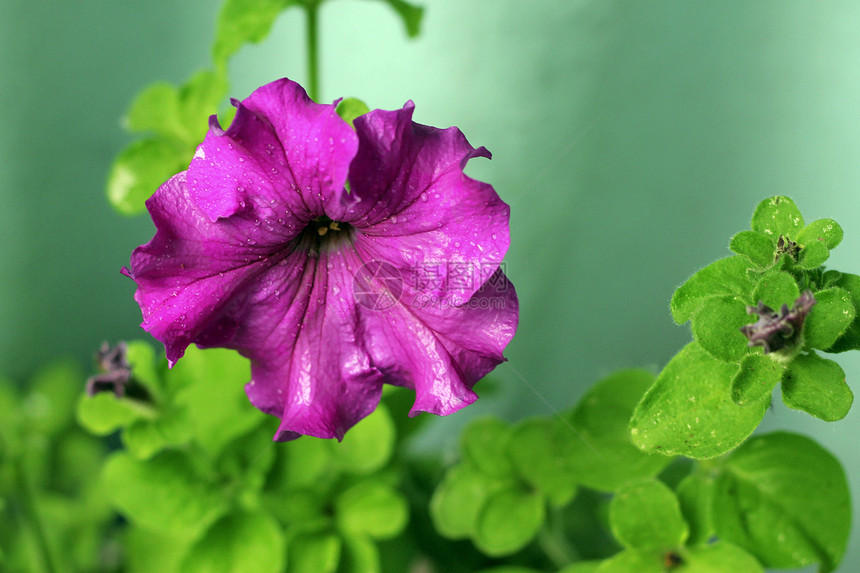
{"type": "Point", "coordinates": [554, 543]}
{"type": "Point", "coordinates": [312, 21]}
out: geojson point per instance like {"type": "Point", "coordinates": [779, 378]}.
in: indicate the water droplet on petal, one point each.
{"type": "Point", "coordinates": [424, 197]}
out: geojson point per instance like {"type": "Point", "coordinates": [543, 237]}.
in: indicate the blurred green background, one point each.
{"type": "Point", "coordinates": [632, 139]}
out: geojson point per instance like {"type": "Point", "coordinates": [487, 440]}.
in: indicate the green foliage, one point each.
{"type": "Point", "coordinates": [645, 515]}
{"type": "Point", "coordinates": [243, 22]}
{"type": "Point", "coordinates": [238, 542]}
{"type": "Point", "coordinates": [817, 386]}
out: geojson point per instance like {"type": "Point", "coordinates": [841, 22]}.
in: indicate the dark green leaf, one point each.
{"type": "Point", "coordinates": [540, 449]}
{"type": "Point", "coordinates": [756, 378]}
{"type": "Point", "coordinates": [695, 495]}
{"type": "Point", "coordinates": [360, 555]}
{"type": "Point", "coordinates": [785, 499]}
{"type": "Point", "coordinates": [484, 445]}
{"type": "Point", "coordinates": [830, 317]}
{"type": "Point", "coordinates": [777, 216]}
{"type": "Point", "coordinates": [582, 567]}
{"type": "Point", "coordinates": [459, 499]}
{"type": "Point", "coordinates": [601, 455]}
{"type": "Point", "coordinates": [140, 169]}
{"type": "Point", "coordinates": [717, 327]}
{"type": "Point", "coordinates": [237, 543]}
{"type": "Point", "coordinates": [645, 515]}
{"type": "Point", "coordinates": [410, 14]}
{"type": "Point", "coordinates": [508, 521]}
{"type": "Point", "coordinates": [372, 508]}
{"type": "Point", "coordinates": [724, 277]}
{"type": "Point", "coordinates": [826, 231]}
{"type": "Point", "coordinates": [757, 247]}
{"type": "Point", "coordinates": [689, 410]}
{"type": "Point", "coordinates": [165, 493]}
{"type": "Point", "coordinates": [817, 386]}
{"type": "Point", "coordinates": [244, 21]}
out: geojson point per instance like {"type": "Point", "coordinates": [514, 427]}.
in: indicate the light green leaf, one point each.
{"type": "Point", "coordinates": [831, 316]}
{"type": "Point", "coordinates": [237, 543]}
{"type": "Point", "coordinates": [722, 278]}
{"type": "Point", "coordinates": [244, 21]}
{"type": "Point", "coordinates": [717, 327]}
{"type": "Point", "coordinates": [601, 454]}
{"type": "Point", "coordinates": [689, 410]}
{"type": "Point", "coordinates": [410, 14]}
{"type": "Point", "coordinates": [817, 386]}
{"type": "Point", "coordinates": [541, 449]}
{"type": "Point", "coordinates": [630, 561]}
{"type": "Point", "coordinates": [757, 247]}
{"type": "Point", "coordinates": [582, 567]}
{"type": "Point", "coordinates": [813, 256]}
{"type": "Point", "coordinates": [367, 446]}
{"type": "Point", "coordinates": [199, 98]}
{"type": "Point", "coordinates": [756, 378]}
{"type": "Point", "coordinates": [150, 551]}
{"type": "Point", "coordinates": [144, 438]}
{"type": "Point", "coordinates": [145, 367]}
{"type": "Point", "coordinates": [784, 499]}
{"type": "Point", "coordinates": [459, 499]}
{"type": "Point", "coordinates": [645, 515]}
{"type": "Point", "coordinates": [156, 110]}
{"type": "Point", "coordinates": [484, 445]}
{"type": "Point", "coordinates": [140, 169]}
{"type": "Point", "coordinates": [695, 495]}
{"type": "Point", "coordinates": [508, 521]}
{"type": "Point", "coordinates": [360, 555]}
{"type": "Point", "coordinates": [372, 508]}
{"type": "Point", "coordinates": [777, 216]}
{"type": "Point", "coordinates": [826, 231]}
{"type": "Point", "coordinates": [775, 289]}
{"type": "Point", "coordinates": [313, 553]}
{"type": "Point", "coordinates": [718, 558]}
{"type": "Point", "coordinates": [104, 413]}
{"type": "Point", "coordinates": [165, 493]}
{"type": "Point", "coordinates": [850, 339]}
{"type": "Point", "coordinates": [350, 108]}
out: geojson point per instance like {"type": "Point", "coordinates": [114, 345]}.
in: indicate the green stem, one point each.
{"type": "Point", "coordinates": [312, 11]}
{"type": "Point", "coordinates": [554, 543]}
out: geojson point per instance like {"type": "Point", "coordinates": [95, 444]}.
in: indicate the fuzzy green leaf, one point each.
{"type": "Point", "coordinates": [508, 521]}
{"type": "Point", "coordinates": [777, 216]}
{"type": "Point", "coordinates": [367, 446]}
{"type": "Point", "coordinates": [165, 493]}
{"type": "Point", "coordinates": [695, 495]}
{"type": "Point", "coordinates": [540, 448]}
{"type": "Point", "coordinates": [484, 445]}
{"type": "Point", "coordinates": [239, 542]}
{"type": "Point", "coordinates": [826, 231]}
{"type": "Point", "coordinates": [813, 255]}
{"type": "Point", "coordinates": [459, 499]}
{"type": "Point", "coordinates": [645, 515]}
{"type": "Point", "coordinates": [373, 509]}
{"type": "Point", "coordinates": [689, 410]}
{"type": "Point", "coordinates": [757, 247]}
{"type": "Point", "coordinates": [140, 169]}
{"type": "Point", "coordinates": [817, 386]}
{"type": "Point", "coordinates": [756, 378]}
{"type": "Point", "coordinates": [717, 326]}
{"type": "Point", "coordinates": [850, 339]}
{"type": "Point", "coordinates": [785, 499]}
{"type": "Point", "coordinates": [775, 289]}
{"type": "Point", "coordinates": [244, 21]}
{"type": "Point", "coordinates": [721, 278]}
{"type": "Point", "coordinates": [831, 316]}
{"type": "Point", "coordinates": [601, 455]}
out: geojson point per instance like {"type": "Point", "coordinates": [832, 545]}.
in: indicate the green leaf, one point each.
{"type": "Point", "coordinates": [724, 277]}
{"type": "Point", "coordinates": [242, 22]}
{"type": "Point", "coordinates": [156, 110]}
{"type": "Point", "coordinates": [689, 410]}
{"type": "Point", "coordinates": [239, 542]}
{"type": "Point", "coordinates": [582, 567]}
{"type": "Point", "coordinates": [143, 361]}
{"type": "Point", "coordinates": [602, 455]}
{"type": "Point", "coordinates": [630, 561]}
{"type": "Point", "coordinates": [785, 499]}
{"type": "Point", "coordinates": [850, 339]}
{"type": "Point", "coordinates": [777, 216]}
{"type": "Point", "coordinates": [104, 413]}
{"type": "Point", "coordinates": [757, 247]}
{"type": "Point", "coordinates": [756, 378]}
{"type": "Point", "coordinates": [695, 496]}
{"type": "Point", "coordinates": [410, 14]}
{"type": "Point", "coordinates": [211, 387]}
{"type": "Point", "coordinates": [149, 551]}
{"type": "Point", "coordinates": [144, 438]}
{"type": "Point", "coordinates": [484, 445]}
{"type": "Point", "coordinates": [53, 392]}
{"type": "Point", "coordinates": [831, 316]}
{"type": "Point", "coordinates": [717, 327]}
{"type": "Point", "coordinates": [165, 493]}
{"type": "Point", "coordinates": [817, 386]}
{"type": "Point", "coordinates": [459, 499]}
{"type": "Point", "coordinates": [813, 256]}
{"type": "Point", "coordinates": [360, 555]}
{"type": "Point", "coordinates": [826, 231]}
{"type": "Point", "coordinates": [540, 449]}
{"type": "Point", "coordinates": [372, 508]}
{"type": "Point", "coordinates": [718, 558]}
{"type": "Point", "coordinates": [313, 553]}
{"type": "Point", "coordinates": [645, 515]}
{"type": "Point", "coordinates": [350, 108]}
{"type": "Point", "coordinates": [140, 169]}
{"type": "Point", "coordinates": [508, 521]}
{"type": "Point", "coordinates": [247, 459]}
{"type": "Point", "coordinates": [199, 98]}
{"type": "Point", "coordinates": [775, 289]}
{"type": "Point", "coordinates": [367, 446]}
{"type": "Point", "coordinates": [306, 462]}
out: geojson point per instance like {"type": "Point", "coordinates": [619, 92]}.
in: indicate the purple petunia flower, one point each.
{"type": "Point", "coordinates": [335, 259]}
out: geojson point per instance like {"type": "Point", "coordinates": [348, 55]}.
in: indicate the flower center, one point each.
{"type": "Point", "coordinates": [323, 233]}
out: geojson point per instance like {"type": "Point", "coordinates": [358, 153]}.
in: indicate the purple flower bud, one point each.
{"type": "Point", "coordinates": [777, 330]}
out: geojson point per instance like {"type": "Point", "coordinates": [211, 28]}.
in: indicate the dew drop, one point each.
{"type": "Point", "coordinates": [424, 197]}
{"type": "Point", "coordinates": [256, 222]}
{"type": "Point", "coordinates": [241, 160]}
